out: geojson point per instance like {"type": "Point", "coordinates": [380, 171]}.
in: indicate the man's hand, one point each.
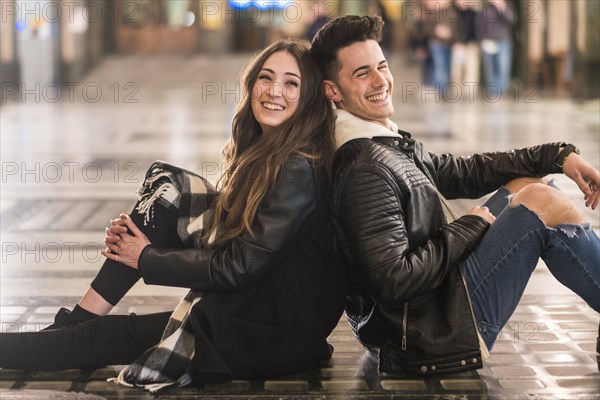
{"type": "Point", "coordinates": [482, 212]}
{"type": "Point", "coordinates": [120, 245]}
{"type": "Point", "coordinates": [585, 176]}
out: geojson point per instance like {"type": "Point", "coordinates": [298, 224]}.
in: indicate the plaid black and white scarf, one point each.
{"type": "Point", "coordinates": [188, 193]}
{"type": "Point", "coordinates": [167, 363]}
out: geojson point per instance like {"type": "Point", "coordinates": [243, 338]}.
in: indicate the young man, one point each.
{"type": "Point", "coordinates": [430, 296]}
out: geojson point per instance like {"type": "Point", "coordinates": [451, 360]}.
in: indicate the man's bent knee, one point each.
{"type": "Point", "coordinates": [552, 206]}
{"type": "Point", "coordinates": [518, 184]}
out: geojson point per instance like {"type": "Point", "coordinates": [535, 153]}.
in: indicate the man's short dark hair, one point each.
{"type": "Point", "coordinates": [339, 33]}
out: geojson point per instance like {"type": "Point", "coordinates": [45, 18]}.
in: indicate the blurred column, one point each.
{"type": "Point", "coordinates": [100, 37]}
{"type": "Point", "coordinates": [531, 30]}
{"type": "Point", "coordinates": [37, 42]}
{"type": "Point", "coordinates": [253, 23]}
{"type": "Point", "coordinates": [74, 38]}
{"type": "Point", "coordinates": [9, 62]}
{"type": "Point", "coordinates": [543, 35]}
{"type": "Point", "coordinates": [586, 48]}
{"type": "Point", "coordinates": [215, 27]}
{"type": "Point", "coordinates": [559, 20]}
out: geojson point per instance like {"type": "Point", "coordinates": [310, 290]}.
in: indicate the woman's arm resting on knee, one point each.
{"type": "Point", "coordinates": [283, 215]}
{"type": "Point", "coordinates": [123, 247]}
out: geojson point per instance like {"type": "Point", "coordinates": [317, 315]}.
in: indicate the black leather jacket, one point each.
{"type": "Point", "coordinates": [288, 213]}
{"type": "Point", "coordinates": [408, 300]}
{"type": "Point", "coordinates": [271, 298]}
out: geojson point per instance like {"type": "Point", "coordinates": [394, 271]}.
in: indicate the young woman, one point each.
{"type": "Point", "coordinates": [272, 289]}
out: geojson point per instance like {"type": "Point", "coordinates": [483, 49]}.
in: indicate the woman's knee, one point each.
{"type": "Point", "coordinates": [160, 227]}
{"type": "Point", "coordinates": [551, 205]}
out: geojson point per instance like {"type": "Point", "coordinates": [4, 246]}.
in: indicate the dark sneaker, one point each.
{"type": "Point", "coordinates": [61, 319]}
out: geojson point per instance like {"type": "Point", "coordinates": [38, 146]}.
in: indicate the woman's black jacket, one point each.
{"type": "Point", "coordinates": [271, 298]}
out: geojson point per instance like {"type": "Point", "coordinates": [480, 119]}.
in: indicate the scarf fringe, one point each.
{"type": "Point", "coordinates": [147, 200]}
{"type": "Point", "coordinates": [185, 380]}
{"type": "Point", "coordinates": [120, 380]}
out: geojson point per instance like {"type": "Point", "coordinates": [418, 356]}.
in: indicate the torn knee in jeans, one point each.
{"type": "Point", "coordinates": [574, 230]}
{"type": "Point", "coordinates": [570, 230]}
{"type": "Point", "coordinates": [551, 206]}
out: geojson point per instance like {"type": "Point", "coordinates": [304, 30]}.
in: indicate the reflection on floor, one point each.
{"type": "Point", "coordinates": [68, 167]}
{"type": "Point", "coordinates": [545, 351]}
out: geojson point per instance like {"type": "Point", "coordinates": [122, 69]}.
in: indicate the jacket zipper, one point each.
{"type": "Point", "coordinates": [404, 325]}
{"type": "Point", "coordinates": [470, 304]}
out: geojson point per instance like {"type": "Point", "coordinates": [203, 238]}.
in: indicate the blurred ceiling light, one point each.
{"type": "Point", "coordinates": [21, 26]}
{"type": "Point", "coordinates": [188, 19]}
{"type": "Point", "coordinates": [258, 4]}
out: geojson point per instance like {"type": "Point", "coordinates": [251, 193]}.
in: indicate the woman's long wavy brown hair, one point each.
{"type": "Point", "coordinates": [253, 160]}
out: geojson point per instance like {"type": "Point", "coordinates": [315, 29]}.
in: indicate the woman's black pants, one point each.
{"type": "Point", "coordinates": [112, 339]}
{"type": "Point", "coordinates": [115, 279]}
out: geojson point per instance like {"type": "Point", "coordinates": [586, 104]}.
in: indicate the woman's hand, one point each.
{"type": "Point", "coordinates": [120, 245]}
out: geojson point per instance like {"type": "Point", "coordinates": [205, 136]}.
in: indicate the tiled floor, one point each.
{"type": "Point", "coordinates": [68, 167]}
{"type": "Point", "coordinates": [546, 351]}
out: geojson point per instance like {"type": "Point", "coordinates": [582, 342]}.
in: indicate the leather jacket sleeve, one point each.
{"type": "Point", "coordinates": [245, 260]}
{"type": "Point", "coordinates": [480, 174]}
{"type": "Point", "coordinates": [368, 205]}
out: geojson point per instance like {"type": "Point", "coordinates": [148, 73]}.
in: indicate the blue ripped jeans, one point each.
{"type": "Point", "coordinates": [499, 268]}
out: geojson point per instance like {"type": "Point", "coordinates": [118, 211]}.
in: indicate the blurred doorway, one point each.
{"type": "Point", "coordinates": [157, 26]}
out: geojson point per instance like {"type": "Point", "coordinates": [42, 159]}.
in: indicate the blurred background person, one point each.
{"type": "Point", "coordinates": [418, 43]}
{"type": "Point", "coordinates": [387, 42]}
{"type": "Point", "coordinates": [494, 30]}
{"type": "Point", "coordinates": [439, 24]}
{"type": "Point", "coordinates": [320, 18]}
{"type": "Point", "coordinates": [465, 51]}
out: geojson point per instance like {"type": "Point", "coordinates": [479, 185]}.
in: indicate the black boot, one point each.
{"type": "Point", "coordinates": [65, 317]}
{"type": "Point", "coordinates": [60, 319]}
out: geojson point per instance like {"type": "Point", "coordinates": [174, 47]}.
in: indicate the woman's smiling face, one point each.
{"type": "Point", "coordinates": [276, 92]}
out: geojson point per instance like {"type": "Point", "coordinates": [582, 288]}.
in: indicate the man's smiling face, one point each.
{"type": "Point", "coordinates": [364, 84]}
